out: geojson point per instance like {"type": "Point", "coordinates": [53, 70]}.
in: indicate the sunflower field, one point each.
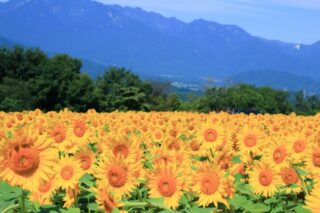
{"type": "Point", "coordinates": [158, 162]}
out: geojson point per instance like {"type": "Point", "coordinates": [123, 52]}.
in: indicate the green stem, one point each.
{"type": "Point", "coordinates": [135, 204]}
{"type": "Point", "coordinates": [85, 189]}
{"type": "Point", "coordinates": [23, 205]}
{"type": "Point", "coordinates": [189, 201]}
{"type": "Point", "coordinates": [302, 181]}
{"type": "Point", "coordinates": [75, 198]}
{"type": "Point", "coordinates": [139, 196]}
{"type": "Point", "coordinates": [232, 210]}
{"type": "Point", "coordinates": [9, 208]}
{"type": "Point", "coordinates": [212, 154]}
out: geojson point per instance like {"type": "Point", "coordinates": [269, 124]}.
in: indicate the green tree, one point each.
{"type": "Point", "coordinates": [51, 87]}
{"type": "Point", "coordinates": [119, 89]}
{"type": "Point", "coordinates": [300, 104]}
{"type": "Point", "coordinates": [81, 94]}
{"type": "Point", "coordinates": [15, 95]}
{"type": "Point", "coordinates": [313, 104]}
{"type": "Point", "coordinates": [274, 101]}
{"type": "Point", "coordinates": [21, 64]}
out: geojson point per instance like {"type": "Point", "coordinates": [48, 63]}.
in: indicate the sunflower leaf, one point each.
{"type": "Point", "coordinates": [70, 210]}
{"type": "Point", "coordinates": [236, 159]}
{"type": "Point", "coordinates": [238, 177]}
{"type": "Point", "coordinates": [277, 209]}
{"type": "Point", "coordinates": [271, 200]}
{"type": "Point", "coordinates": [200, 158]}
{"type": "Point", "coordinates": [183, 137]}
{"type": "Point", "coordinates": [184, 200]}
{"type": "Point", "coordinates": [302, 172]}
{"type": "Point", "coordinates": [257, 207]}
{"type": "Point", "coordinates": [293, 186]}
{"type": "Point", "coordinates": [93, 206]}
{"type": "Point", "coordinates": [9, 134]}
{"type": "Point", "coordinates": [8, 192]}
{"type": "Point", "coordinates": [87, 179]}
{"type": "Point", "coordinates": [301, 209]}
{"type": "Point", "coordinates": [196, 209]}
{"type": "Point", "coordinates": [115, 210]}
{"type": "Point", "coordinates": [239, 201]}
{"type": "Point", "coordinates": [158, 202]}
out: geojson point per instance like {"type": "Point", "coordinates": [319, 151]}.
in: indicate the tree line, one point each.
{"type": "Point", "coordinates": [29, 79]}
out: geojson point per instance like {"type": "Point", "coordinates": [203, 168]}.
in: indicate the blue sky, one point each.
{"type": "Point", "coordinates": [296, 21]}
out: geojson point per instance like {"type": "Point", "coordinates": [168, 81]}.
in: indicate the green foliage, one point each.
{"type": "Point", "coordinates": [246, 201]}
{"type": "Point", "coordinates": [29, 79]}
{"type": "Point", "coordinates": [244, 98]}
{"type": "Point", "coordinates": [15, 95]}
{"type": "Point", "coordinates": [119, 89]}
{"type": "Point", "coordinates": [8, 195]}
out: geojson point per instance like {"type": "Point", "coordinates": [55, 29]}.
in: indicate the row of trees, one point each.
{"type": "Point", "coordinates": [29, 79]}
{"type": "Point", "coordinates": [250, 99]}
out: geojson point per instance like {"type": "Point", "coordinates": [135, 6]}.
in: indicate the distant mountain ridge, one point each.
{"type": "Point", "coordinates": [149, 43]}
{"type": "Point", "coordinates": [4, 42]}
{"type": "Point", "coordinates": [277, 80]}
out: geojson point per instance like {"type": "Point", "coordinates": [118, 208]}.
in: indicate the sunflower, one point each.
{"type": "Point", "coordinates": [20, 118]}
{"type": "Point", "coordinates": [299, 145]}
{"type": "Point", "coordinates": [194, 147]}
{"type": "Point", "coordinates": [313, 200]}
{"type": "Point", "coordinates": [70, 196]}
{"type": "Point", "coordinates": [59, 133]}
{"type": "Point", "coordinates": [223, 159]}
{"type": "Point", "coordinates": [166, 181]}
{"type": "Point", "coordinates": [78, 135]}
{"type": "Point", "coordinates": [68, 172]}
{"type": "Point", "coordinates": [157, 134]}
{"type": "Point", "coordinates": [122, 145]}
{"type": "Point", "coordinates": [228, 186]}
{"type": "Point", "coordinates": [71, 147]}
{"type": "Point", "coordinates": [250, 139]}
{"type": "Point", "coordinates": [209, 185]}
{"type": "Point", "coordinates": [312, 161]}
{"type": "Point", "coordinates": [172, 143]}
{"type": "Point", "coordinates": [290, 179]}
{"type": "Point", "coordinates": [164, 155]}
{"type": "Point", "coordinates": [86, 158]}
{"type": "Point", "coordinates": [117, 175]}
{"type": "Point", "coordinates": [105, 200]}
{"type": "Point", "coordinates": [27, 159]}
{"type": "Point", "coordinates": [278, 152]}
{"type": "Point", "coordinates": [263, 180]}
{"type": "Point", "coordinates": [3, 140]}
{"type": "Point", "coordinates": [211, 135]}
{"type": "Point", "coordinates": [45, 192]}
{"type": "Point", "coordinates": [9, 123]}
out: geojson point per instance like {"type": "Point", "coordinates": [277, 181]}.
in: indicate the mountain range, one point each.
{"type": "Point", "coordinates": [151, 44]}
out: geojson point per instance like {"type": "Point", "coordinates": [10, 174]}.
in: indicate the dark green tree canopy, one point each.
{"type": "Point", "coordinates": [119, 89]}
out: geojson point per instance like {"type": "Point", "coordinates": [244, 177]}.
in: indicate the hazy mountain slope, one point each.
{"type": "Point", "coordinates": [147, 42]}
{"type": "Point", "coordinates": [278, 80]}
